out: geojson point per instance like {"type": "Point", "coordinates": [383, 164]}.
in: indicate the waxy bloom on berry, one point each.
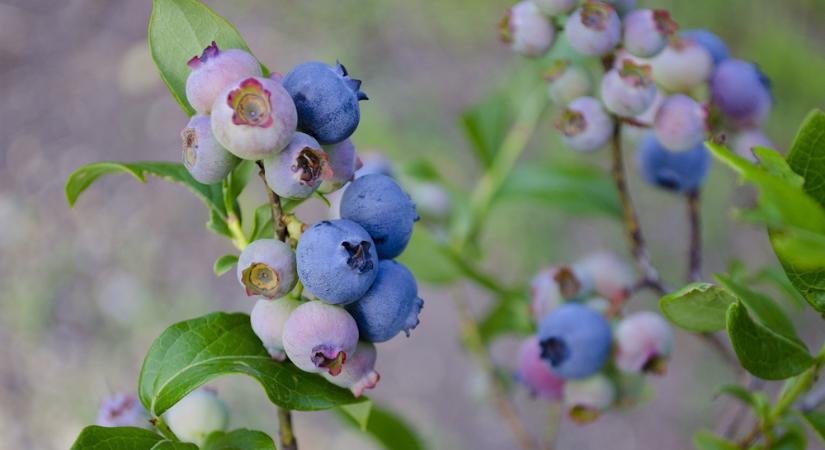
{"type": "Point", "coordinates": [298, 170]}
{"type": "Point", "coordinates": [205, 159]}
{"type": "Point", "coordinates": [358, 374]}
{"type": "Point", "coordinates": [527, 30]}
{"type": "Point", "coordinates": [268, 318]}
{"type": "Point", "coordinates": [215, 69]}
{"type": "Point", "coordinates": [643, 343]}
{"type": "Point", "coordinates": [585, 125]}
{"type": "Point", "coordinates": [319, 337]}
{"type": "Point", "coordinates": [594, 29]}
{"type": "Point", "coordinates": [266, 267]}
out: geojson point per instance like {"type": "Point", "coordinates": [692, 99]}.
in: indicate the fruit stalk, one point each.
{"type": "Point", "coordinates": [695, 251]}
{"type": "Point", "coordinates": [285, 433]}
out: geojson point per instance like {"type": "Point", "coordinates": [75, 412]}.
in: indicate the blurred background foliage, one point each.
{"type": "Point", "coordinates": [83, 292]}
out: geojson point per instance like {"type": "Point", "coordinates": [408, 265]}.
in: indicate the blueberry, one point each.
{"type": "Point", "coordinates": [266, 267]}
{"type": "Point", "coordinates": [215, 69]}
{"type": "Point", "coordinates": [268, 318]}
{"type": "Point", "coordinates": [643, 343]}
{"type": "Point", "coordinates": [682, 65]}
{"type": "Point", "coordinates": [680, 123]}
{"type": "Point", "coordinates": [575, 341]}
{"type": "Point", "coordinates": [587, 399]}
{"type": "Point", "coordinates": [646, 31]}
{"type": "Point", "coordinates": [628, 91]}
{"type": "Point", "coordinates": [553, 285]}
{"type": "Point", "coordinates": [390, 306]}
{"type": "Point", "coordinates": [253, 118]}
{"type": "Point", "coordinates": [594, 29]}
{"type": "Point", "coordinates": [585, 125]}
{"type": "Point", "coordinates": [613, 278]}
{"type": "Point", "coordinates": [377, 203]}
{"type": "Point", "coordinates": [555, 7]}
{"type": "Point", "coordinates": [712, 43]}
{"type": "Point", "coordinates": [567, 81]}
{"type": "Point", "coordinates": [337, 261]}
{"type": "Point", "coordinates": [534, 374]}
{"type": "Point", "coordinates": [197, 415]}
{"type": "Point", "coordinates": [675, 171]}
{"type": "Point", "coordinates": [205, 159]}
{"type": "Point", "coordinates": [326, 99]}
{"type": "Point", "coordinates": [298, 170]}
{"type": "Point", "coordinates": [343, 162]}
{"type": "Point", "coordinates": [742, 92]}
{"type": "Point", "coordinates": [527, 30]}
{"type": "Point", "coordinates": [358, 373]}
{"type": "Point", "coordinates": [122, 410]}
{"type": "Point", "coordinates": [320, 338]}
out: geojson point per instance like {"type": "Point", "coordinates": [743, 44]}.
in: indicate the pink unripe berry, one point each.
{"type": "Point", "coordinates": [586, 399]}
{"type": "Point", "coordinates": [298, 170]}
{"type": "Point", "coordinates": [359, 372]}
{"type": "Point", "coordinates": [215, 69]}
{"type": "Point", "coordinates": [628, 91]}
{"type": "Point", "coordinates": [552, 286]}
{"type": "Point", "coordinates": [319, 337]}
{"type": "Point", "coordinates": [343, 161]}
{"type": "Point", "coordinates": [527, 30]}
{"type": "Point", "coordinates": [680, 123]}
{"type": "Point", "coordinates": [254, 118]}
{"type": "Point", "coordinates": [613, 277]}
{"type": "Point", "coordinates": [585, 125]}
{"type": "Point", "coordinates": [268, 318]}
{"type": "Point", "coordinates": [644, 341]}
{"type": "Point", "coordinates": [205, 159]}
{"type": "Point", "coordinates": [266, 267]}
{"type": "Point", "coordinates": [567, 82]}
{"type": "Point", "coordinates": [122, 410]}
{"type": "Point", "coordinates": [682, 65]}
{"type": "Point", "coordinates": [594, 29]}
{"type": "Point", "coordinates": [535, 374]}
{"type": "Point", "coordinates": [646, 31]}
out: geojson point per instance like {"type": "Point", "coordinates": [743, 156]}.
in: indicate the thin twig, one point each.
{"type": "Point", "coordinates": [695, 252]}
{"type": "Point", "coordinates": [285, 433]}
{"type": "Point", "coordinates": [502, 403]}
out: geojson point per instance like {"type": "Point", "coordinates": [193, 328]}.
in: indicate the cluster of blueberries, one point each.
{"type": "Point", "coordinates": [584, 350]}
{"type": "Point", "coordinates": [683, 86]}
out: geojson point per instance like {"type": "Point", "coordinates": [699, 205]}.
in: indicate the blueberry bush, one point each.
{"type": "Point", "coordinates": [617, 79]}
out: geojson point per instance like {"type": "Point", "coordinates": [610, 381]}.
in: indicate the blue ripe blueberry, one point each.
{"type": "Point", "coordinates": [358, 374]}
{"type": "Point", "coordinates": [343, 162]}
{"type": "Point", "coordinates": [587, 399]}
{"type": "Point", "coordinates": [268, 319]}
{"type": "Point", "coordinates": [298, 170]}
{"type": "Point", "coordinates": [326, 99]}
{"type": "Point", "coordinates": [337, 261]}
{"type": "Point", "coordinates": [746, 140]}
{"type": "Point", "coordinates": [319, 337]}
{"type": "Point", "coordinates": [644, 341]}
{"type": "Point", "coordinates": [741, 91]}
{"type": "Point", "coordinates": [390, 306]}
{"type": "Point", "coordinates": [534, 374]}
{"type": "Point", "coordinates": [712, 43]}
{"type": "Point", "coordinates": [214, 70]}
{"type": "Point", "coordinates": [254, 118]}
{"type": "Point", "coordinates": [585, 125]}
{"type": "Point", "coordinates": [646, 31]}
{"type": "Point", "coordinates": [680, 123]}
{"type": "Point", "coordinates": [594, 29]}
{"type": "Point", "coordinates": [567, 82]}
{"type": "Point", "coordinates": [266, 267]}
{"type": "Point", "coordinates": [628, 91]}
{"type": "Point", "coordinates": [555, 7]}
{"type": "Point", "coordinates": [575, 341]}
{"type": "Point", "coordinates": [205, 159]}
{"type": "Point", "coordinates": [122, 410]}
{"type": "Point", "coordinates": [527, 30]}
{"type": "Point", "coordinates": [682, 65]}
{"type": "Point", "coordinates": [377, 203]}
{"type": "Point", "coordinates": [197, 415]}
{"type": "Point", "coordinates": [675, 171]}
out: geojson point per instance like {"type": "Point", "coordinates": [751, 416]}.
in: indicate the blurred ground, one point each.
{"type": "Point", "coordinates": [83, 292]}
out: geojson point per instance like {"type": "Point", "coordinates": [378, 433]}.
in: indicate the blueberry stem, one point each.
{"type": "Point", "coordinates": [164, 429]}
{"type": "Point", "coordinates": [695, 250]}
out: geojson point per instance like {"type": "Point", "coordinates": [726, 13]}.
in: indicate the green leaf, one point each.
{"type": "Point", "coordinates": [421, 169]}
{"type": "Point", "coordinates": [738, 392]}
{"type": "Point", "coordinates": [762, 352]}
{"type": "Point", "coordinates": [358, 412]}
{"type": "Point", "coordinates": [776, 165]}
{"type": "Point", "coordinates": [807, 155]}
{"type": "Point", "coordinates": [262, 223]}
{"type": "Point", "coordinates": [122, 438]}
{"type": "Point", "coordinates": [778, 278]}
{"type": "Point", "coordinates": [224, 264]}
{"type": "Point", "coordinates": [697, 307]}
{"type": "Point", "coordinates": [181, 29]}
{"type": "Point", "coordinates": [706, 440]}
{"type": "Point", "coordinates": [485, 126]}
{"type": "Point", "coordinates": [577, 189]}
{"type": "Point", "coordinates": [509, 315]}
{"type": "Point", "coordinates": [802, 249]}
{"type": "Point", "coordinates": [242, 439]}
{"type": "Point", "coordinates": [191, 353]}
{"type": "Point", "coordinates": [792, 439]}
{"type": "Point", "coordinates": [763, 307]}
{"type": "Point", "coordinates": [388, 429]}
{"type": "Point", "coordinates": [816, 420]}
{"type": "Point", "coordinates": [428, 259]}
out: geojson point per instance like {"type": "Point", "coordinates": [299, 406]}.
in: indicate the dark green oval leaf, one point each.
{"type": "Point", "coordinates": [224, 264]}
{"type": "Point", "coordinates": [762, 352]}
{"type": "Point", "coordinates": [697, 307]}
{"type": "Point", "coordinates": [388, 429]}
{"type": "Point", "coordinates": [190, 353]}
{"type": "Point", "coordinates": [706, 440]}
{"type": "Point", "coordinates": [816, 420]}
{"type": "Point", "coordinates": [763, 307]}
{"type": "Point", "coordinates": [807, 154]}
{"type": "Point", "coordinates": [242, 439]}
{"type": "Point", "coordinates": [124, 438]}
{"type": "Point", "coordinates": [359, 412]}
